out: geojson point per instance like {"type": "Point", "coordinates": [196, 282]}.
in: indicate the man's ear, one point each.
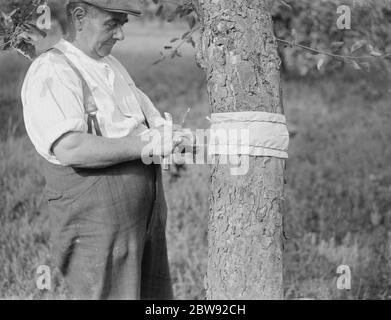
{"type": "Point", "coordinates": [79, 15]}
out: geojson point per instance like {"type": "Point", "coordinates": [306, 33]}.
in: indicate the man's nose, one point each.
{"type": "Point", "coordinates": [119, 34]}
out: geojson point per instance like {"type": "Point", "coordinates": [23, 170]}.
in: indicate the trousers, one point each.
{"type": "Point", "coordinates": [107, 231]}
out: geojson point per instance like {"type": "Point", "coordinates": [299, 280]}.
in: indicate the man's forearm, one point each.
{"type": "Point", "coordinates": [90, 151]}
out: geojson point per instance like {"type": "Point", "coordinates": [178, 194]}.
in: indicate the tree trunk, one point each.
{"type": "Point", "coordinates": [239, 54]}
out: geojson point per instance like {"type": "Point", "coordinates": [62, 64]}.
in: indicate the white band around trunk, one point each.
{"type": "Point", "coordinates": [249, 133]}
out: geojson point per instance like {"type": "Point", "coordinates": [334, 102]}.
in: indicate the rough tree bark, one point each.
{"type": "Point", "coordinates": [239, 54]}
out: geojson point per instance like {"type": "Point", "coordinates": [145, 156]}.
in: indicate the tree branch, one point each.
{"type": "Point", "coordinates": [184, 40]}
{"type": "Point", "coordinates": [343, 57]}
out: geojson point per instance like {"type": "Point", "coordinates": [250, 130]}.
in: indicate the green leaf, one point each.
{"type": "Point", "coordinates": [373, 52]}
{"type": "Point", "coordinates": [356, 66]}
{"type": "Point", "coordinates": [286, 4]}
{"type": "Point", "coordinates": [192, 22]}
{"type": "Point", "coordinates": [26, 49]}
{"type": "Point", "coordinates": [159, 11]}
{"type": "Point", "coordinates": [5, 20]}
{"type": "Point", "coordinates": [186, 11]}
{"type": "Point", "coordinates": [358, 45]}
{"type": "Point", "coordinates": [191, 41]}
{"type": "Point", "coordinates": [320, 62]}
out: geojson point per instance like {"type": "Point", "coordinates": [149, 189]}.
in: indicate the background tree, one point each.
{"type": "Point", "coordinates": [303, 24]}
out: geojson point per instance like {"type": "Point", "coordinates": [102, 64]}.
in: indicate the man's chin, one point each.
{"type": "Point", "coordinates": [105, 50]}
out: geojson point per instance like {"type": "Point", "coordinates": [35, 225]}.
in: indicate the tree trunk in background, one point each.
{"type": "Point", "coordinates": [239, 54]}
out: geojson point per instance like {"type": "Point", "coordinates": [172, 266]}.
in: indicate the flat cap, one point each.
{"type": "Point", "coordinates": [122, 6]}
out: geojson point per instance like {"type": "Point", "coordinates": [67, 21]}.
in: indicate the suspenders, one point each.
{"type": "Point", "coordinates": [90, 107]}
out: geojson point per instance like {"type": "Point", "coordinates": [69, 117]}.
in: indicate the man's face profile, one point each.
{"type": "Point", "coordinates": [101, 30]}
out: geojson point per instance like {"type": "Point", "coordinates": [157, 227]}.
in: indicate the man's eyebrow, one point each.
{"type": "Point", "coordinates": [113, 19]}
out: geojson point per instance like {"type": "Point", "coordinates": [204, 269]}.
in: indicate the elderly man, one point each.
{"type": "Point", "coordinates": [86, 117]}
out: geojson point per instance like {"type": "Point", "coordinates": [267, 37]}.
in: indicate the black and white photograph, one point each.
{"type": "Point", "coordinates": [208, 151]}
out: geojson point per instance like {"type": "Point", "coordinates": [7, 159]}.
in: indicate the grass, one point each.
{"type": "Point", "coordinates": [339, 195]}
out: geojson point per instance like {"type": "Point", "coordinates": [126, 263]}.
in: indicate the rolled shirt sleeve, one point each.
{"type": "Point", "coordinates": [52, 103]}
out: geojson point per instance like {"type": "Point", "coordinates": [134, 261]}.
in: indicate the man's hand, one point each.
{"type": "Point", "coordinates": [188, 140]}
{"type": "Point", "coordinates": [161, 141]}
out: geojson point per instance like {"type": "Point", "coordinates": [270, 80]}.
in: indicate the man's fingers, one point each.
{"type": "Point", "coordinates": [177, 141]}
{"type": "Point", "coordinates": [167, 141]}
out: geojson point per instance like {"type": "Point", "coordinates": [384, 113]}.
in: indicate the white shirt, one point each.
{"type": "Point", "coordinates": [52, 98]}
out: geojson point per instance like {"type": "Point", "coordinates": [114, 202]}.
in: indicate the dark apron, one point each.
{"type": "Point", "coordinates": [108, 238]}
